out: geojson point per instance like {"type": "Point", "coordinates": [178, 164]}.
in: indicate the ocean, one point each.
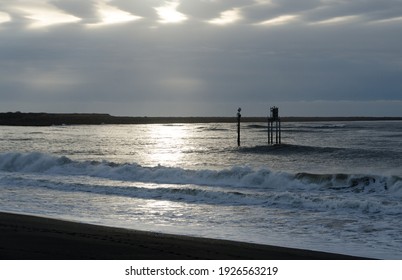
{"type": "Point", "coordinates": [330, 186]}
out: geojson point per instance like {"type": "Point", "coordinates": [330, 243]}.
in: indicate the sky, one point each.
{"type": "Point", "coordinates": [202, 57]}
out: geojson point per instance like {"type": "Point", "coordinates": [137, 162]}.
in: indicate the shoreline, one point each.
{"type": "Point", "coordinates": [47, 119]}
{"type": "Point", "coordinates": [24, 237]}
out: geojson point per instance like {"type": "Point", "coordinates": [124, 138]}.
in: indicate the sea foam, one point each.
{"type": "Point", "coordinates": [236, 176]}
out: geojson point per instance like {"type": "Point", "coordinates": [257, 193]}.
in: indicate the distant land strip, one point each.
{"type": "Point", "coordinates": [47, 119]}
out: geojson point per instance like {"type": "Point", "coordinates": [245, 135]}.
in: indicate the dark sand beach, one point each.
{"type": "Point", "coordinates": [25, 237]}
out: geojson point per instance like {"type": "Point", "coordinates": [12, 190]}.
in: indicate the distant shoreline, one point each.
{"type": "Point", "coordinates": [48, 119]}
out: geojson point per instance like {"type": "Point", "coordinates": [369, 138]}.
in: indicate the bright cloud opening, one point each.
{"type": "Point", "coordinates": [169, 13]}
{"type": "Point", "coordinates": [227, 17]}
{"type": "Point", "coordinates": [337, 20]}
{"type": "Point", "coordinates": [263, 1]}
{"type": "Point", "coordinates": [279, 20]}
{"type": "Point", "coordinates": [46, 15]}
{"type": "Point", "coordinates": [4, 17]}
{"type": "Point", "coordinates": [112, 15]}
{"type": "Point", "coordinates": [389, 20]}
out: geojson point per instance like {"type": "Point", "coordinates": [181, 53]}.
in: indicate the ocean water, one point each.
{"type": "Point", "coordinates": [331, 186]}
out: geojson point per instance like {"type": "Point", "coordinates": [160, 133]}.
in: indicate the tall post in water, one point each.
{"type": "Point", "coordinates": [276, 132]}
{"type": "Point", "coordinates": [274, 117]}
{"type": "Point", "coordinates": [279, 121]}
{"type": "Point", "coordinates": [270, 130]}
{"type": "Point", "coordinates": [238, 126]}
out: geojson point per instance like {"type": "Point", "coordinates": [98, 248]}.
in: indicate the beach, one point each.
{"type": "Point", "coordinates": [24, 237]}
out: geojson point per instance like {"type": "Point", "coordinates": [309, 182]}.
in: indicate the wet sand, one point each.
{"type": "Point", "coordinates": [25, 237]}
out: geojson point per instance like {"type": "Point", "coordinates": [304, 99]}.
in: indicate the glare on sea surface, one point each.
{"type": "Point", "coordinates": [168, 141]}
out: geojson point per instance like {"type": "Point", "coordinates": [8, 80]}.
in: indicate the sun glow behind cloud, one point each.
{"type": "Point", "coordinates": [100, 13]}
{"type": "Point", "coordinates": [4, 17]}
{"type": "Point", "coordinates": [337, 20]}
{"type": "Point", "coordinates": [169, 14]}
{"type": "Point", "coordinates": [388, 20]}
{"type": "Point", "coordinates": [45, 15]}
{"type": "Point", "coordinates": [284, 19]}
{"type": "Point", "coordinates": [112, 15]}
{"type": "Point", "coordinates": [227, 17]}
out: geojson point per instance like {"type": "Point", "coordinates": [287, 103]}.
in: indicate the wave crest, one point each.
{"type": "Point", "coordinates": [236, 176]}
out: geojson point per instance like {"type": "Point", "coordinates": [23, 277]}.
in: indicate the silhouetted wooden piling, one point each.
{"type": "Point", "coordinates": [238, 126]}
{"type": "Point", "coordinates": [274, 118]}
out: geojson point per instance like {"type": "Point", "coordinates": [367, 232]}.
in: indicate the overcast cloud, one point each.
{"type": "Point", "coordinates": [202, 57]}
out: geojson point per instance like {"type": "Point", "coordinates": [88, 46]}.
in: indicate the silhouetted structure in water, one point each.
{"type": "Point", "coordinates": [238, 126]}
{"type": "Point", "coordinates": [274, 123]}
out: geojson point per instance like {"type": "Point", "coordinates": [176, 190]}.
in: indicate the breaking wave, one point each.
{"type": "Point", "coordinates": [235, 186]}
{"type": "Point", "coordinates": [237, 176]}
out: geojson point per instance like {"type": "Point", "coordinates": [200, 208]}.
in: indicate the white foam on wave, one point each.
{"type": "Point", "coordinates": [238, 185]}
{"type": "Point", "coordinates": [30, 162]}
{"type": "Point", "coordinates": [237, 176]}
